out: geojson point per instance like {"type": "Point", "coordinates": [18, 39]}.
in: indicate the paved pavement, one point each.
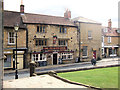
{"type": "Point", "coordinates": [9, 75]}
{"type": "Point", "coordinates": [43, 81]}
{"type": "Point", "coordinates": [46, 81]}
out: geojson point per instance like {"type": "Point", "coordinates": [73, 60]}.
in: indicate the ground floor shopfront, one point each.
{"type": "Point", "coordinates": [10, 60]}
{"type": "Point", "coordinates": [53, 56]}
{"type": "Point", "coordinates": [110, 51]}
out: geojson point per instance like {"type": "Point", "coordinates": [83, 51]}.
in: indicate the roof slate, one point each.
{"type": "Point", "coordinates": [45, 19]}
{"type": "Point", "coordinates": [11, 18]}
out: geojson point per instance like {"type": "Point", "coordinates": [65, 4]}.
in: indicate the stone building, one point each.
{"type": "Point", "coordinates": [10, 19]}
{"type": "Point", "coordinates": [50, 39]}
{"type": "Point", "coordinates": [89, 34]}
{"type": "Point", "coordinates": [45, 39]}
{"type": "Point", "coordinates": [110, 41]}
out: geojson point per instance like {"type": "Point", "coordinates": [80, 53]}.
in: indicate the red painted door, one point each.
{"type": "Point", "coordinates": [94, 54]}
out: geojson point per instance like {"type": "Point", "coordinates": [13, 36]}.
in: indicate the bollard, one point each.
{"type": "Point", "coordinates": [32, 68]}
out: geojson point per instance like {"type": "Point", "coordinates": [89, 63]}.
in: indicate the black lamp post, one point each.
{"type": "Point", "coordinates": [16, 27]}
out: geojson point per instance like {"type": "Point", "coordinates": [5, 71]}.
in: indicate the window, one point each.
{"type": "Point", "coordinates": [89, 34]}
{"type": "Point", "coordinates": [41, 29]}
{"type": "Point", "coordinates": [35, 57]}
{"type": "Point", "coordinates": [63, 42]}
{"type": "Point", "coordinates": [37, 28]}
{"type": "Point", "coordinates": [109, 39]}
{"type": "Point", "coordinates": [102, 38]}
{"type": "Point", "coordinates": [40, 42]}
{"type": "Point", "coordinates": [105, 29]}
{"type": "Point", "coordinates": [7, 61]}
{"type": "Point", "coordinates": [84, 53]}
{"type": "Point", "coordinates": [39, 57]}
{"type": "Point", "coordinates": [63, 30]}
{"type": "Point", "coordinates": [11, 38]}
{"type": "Point", "coordinates": [67, 56]}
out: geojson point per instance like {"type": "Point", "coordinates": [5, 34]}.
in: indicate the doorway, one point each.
{"type": "Point", "coordinates": [94, 54]}
{"type": "Point", "coordinates": [54, 59]}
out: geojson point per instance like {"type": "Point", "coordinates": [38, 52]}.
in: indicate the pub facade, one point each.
{"type": "Point", "coordinates": [51, 40]}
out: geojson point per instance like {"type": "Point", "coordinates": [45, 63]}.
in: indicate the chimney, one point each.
{"type": "Point", "coordinates": [22, 7]}
{"type": "Point", "coordinates": [109, 23]}
{"type": "Point", "coordinates": [67, 14]}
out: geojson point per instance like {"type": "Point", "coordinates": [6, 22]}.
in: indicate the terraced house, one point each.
{"type": "Point", "coordinates": [50, 39]}
{"type": "Point", "coordinates": [47, 40]}
{"type": "Point", "coordinates": [110, 41]}
{"type": "Point", "coordinates": [10, 19]}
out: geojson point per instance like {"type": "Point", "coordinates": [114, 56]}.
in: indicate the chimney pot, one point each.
{"type": "Point", "coordinates": [109, 23]}
{"type": "Point", "coordinates": [67, 14]}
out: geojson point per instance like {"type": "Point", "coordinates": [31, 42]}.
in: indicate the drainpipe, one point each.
{"type": "Point", "coordinates": [79, 38]}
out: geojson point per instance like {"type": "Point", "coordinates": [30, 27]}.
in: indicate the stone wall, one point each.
{"type": "Point", "coordinates": [50, 31]}
{"type": "Point", "coordinates": [21, 39]}
{"type": "Point", "coordinates": [93, 43]}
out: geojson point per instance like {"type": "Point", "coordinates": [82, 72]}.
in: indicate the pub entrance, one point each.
{"type": "Point", "coordinates": [55, 59]}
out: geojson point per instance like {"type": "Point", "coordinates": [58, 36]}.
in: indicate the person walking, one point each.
{"type": "Point", "coordinates": [93, 61]}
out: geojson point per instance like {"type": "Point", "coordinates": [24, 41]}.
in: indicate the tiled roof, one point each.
{"type": "Point", "coordinates": [85, 20]}
{"type": "Point", "coordinates": [45, 19]}
{"type": "Point", "coordinates": [110, 32]}
{"type": "Point", "coordinates": [11, 18]}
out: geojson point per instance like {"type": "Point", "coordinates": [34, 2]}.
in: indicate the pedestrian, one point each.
{"type": "Point", "coordinates": [93, 61]}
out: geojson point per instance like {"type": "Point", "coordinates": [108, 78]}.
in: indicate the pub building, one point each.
{"type": "Point", "coordinates": [45, 39]}
{"type": "Point", "coordinates": [52, 40]}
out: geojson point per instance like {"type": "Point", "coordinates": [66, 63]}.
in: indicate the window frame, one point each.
{"type": "Point", "coordinates": [11, 38]}
{"type": "Point", "coordinates": [41, 29]}
{"type": "Point", "coordinates": [86, 51]}
{"type": "Point", "coordinates": [62, 42]}
{"type": "Point", "coordinates": [37, 57]}
{"type": "Point", "coordinates": [109, 39]}
{"type": "Point", "coordinates": [89, 34]}
{"type": "Point", "coordinates": [40, 42]}
{"type": "Point", "coordinates": [66, 56]}
{"type": "Point", "coordinates": [63, 30]}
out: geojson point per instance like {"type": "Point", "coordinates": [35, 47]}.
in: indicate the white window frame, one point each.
{"type": "Point", "coordinates": [66, 55]}
{"type": "Point", "coordinates": [109, 39]}
{"type": "Point", "coordinates": [43, 57]}
{"type": "Point", "coordinates": [11, 37]}
{"type": "Point", "coordinates": [89, 34]}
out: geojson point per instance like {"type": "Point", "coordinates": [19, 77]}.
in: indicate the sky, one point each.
{"type": "Point", "coordinates": [97, 10]}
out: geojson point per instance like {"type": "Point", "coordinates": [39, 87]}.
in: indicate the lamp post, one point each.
{"type": "Point", "coordinates": [16, 27]}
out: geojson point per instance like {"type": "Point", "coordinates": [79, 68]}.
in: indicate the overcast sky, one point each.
{"type": "Point", "coordinates": [98, 10]}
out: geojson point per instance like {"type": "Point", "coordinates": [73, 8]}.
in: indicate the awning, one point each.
{"type": "Point", "coordinates": [110, 46]}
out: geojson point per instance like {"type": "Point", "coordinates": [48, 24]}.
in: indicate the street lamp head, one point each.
{"type": "Point", "coordinates": [16, 27]}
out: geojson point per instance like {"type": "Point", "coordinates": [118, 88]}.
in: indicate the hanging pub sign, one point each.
{"type": "Point", "coordinates": [54, 39]}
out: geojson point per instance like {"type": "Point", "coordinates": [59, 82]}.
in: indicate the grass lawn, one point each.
{"type": "Point", "coordinates": [103, 78]}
